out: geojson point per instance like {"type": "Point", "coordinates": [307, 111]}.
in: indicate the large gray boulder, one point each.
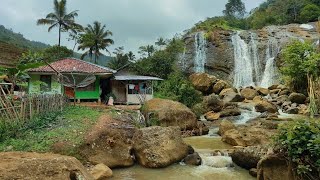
{"type": "Point", "coordinates": [203, 82]}
{"type": "Point", "coordinates": [297, 98]}
{"type": "Point", "coordinates": [157, 147]}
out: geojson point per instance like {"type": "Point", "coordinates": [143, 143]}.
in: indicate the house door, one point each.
{"type": "Point", "coordinates": [68, 91]}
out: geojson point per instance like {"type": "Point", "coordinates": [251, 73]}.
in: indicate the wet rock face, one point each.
{"type": "Point", "coordinates": [193, 159]}
{"type": "Point", "coordinates": [248, 157]}
{"type": "Point", "coordinates": [220, 50]}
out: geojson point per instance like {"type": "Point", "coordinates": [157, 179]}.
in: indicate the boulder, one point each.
{"type": "Point", "coordinates": [275, 168]}
{"type": "Point", "coordinates": [282, 98]}
{"type": "Point", "coordinates": [109, 145]}
{"type": "Point", "coordinates": [157, 147]}
{"type": "Point", "coordinates": [224, 126]}
{"type": "Point", "coordinates": [213, 103]}
{"type": "Point", "coordinates": [193, 159]}
{"type": "Point", "coordinates": [230, 96]}
{"type": "Point", "coordinates": [212, 116]}
{"type": "Point", "coordinates": [233, 137]}
{"type": "Point", "coordinates": [101, 172]}
{"type": "Point", "coordinates": [284, 92]}
{"type": "Point", "coordinates": [248, 157]}
{"type": "Point", "coordinates": [275, 86]}
{"type": "Point", "coordinates": [25, 165]}
{"type": "Point", "coordinates": [292, 110]}
{"type": "Point", "coordinates": [265, 106]}
{"type": "Point", "coordinates": [170, 113]}
{"type": "Point", "coordinates": [230, 112]}
{"type": "Point", "coordinates": [253, 172]}
{"type": "Point", "coordinates": [297, 98]}
{"type": "Point", "coordinates": [219, 86]}
{"type": "Point", "coordinates": [249, 93]}
{"type": "Point", "coordinates": [263, 91]}
{"type": "Point", "coordinates": [227, 91]}
{"type": "Point", "coordinates": [203, 82]}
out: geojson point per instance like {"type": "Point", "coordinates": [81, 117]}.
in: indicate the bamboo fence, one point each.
{"type": "Point", "coordinates": [26, 107]}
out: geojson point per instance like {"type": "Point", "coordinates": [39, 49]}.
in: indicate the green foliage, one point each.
{"type": "Point", "coordinates": [41, 133]}
{"type": "Point", "coordinates": [178, 88]}
{"type": "Point", "coordinates": [17, 39]}
{"type": "Point", "coordinates": [121, 59]}
{"type": "Point", "coordinates": [94, 39]}
{"type": "Point", "coordinates": [55, 53]}
{"type": "Point", "coordinates": [300, 142]}
{"type": "Point", "coordinates": [146, 51]}
{"type": "Point", "coordinates": [31, 57]}
{"type": "Point", "coordinates": [310, 12]}
{"type": "Point", "coordinates": [235, 8]}
{"type": "Point", "coordinates": [300, 59]}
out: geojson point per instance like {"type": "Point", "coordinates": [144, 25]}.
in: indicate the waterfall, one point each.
{"type": "Point", "coordinates": [200, 49]}
{"type": "Point", "coordinates": [182, 59]}
{"type": "Point", "coordinates": [243, 70]}
{"type": "Point", "coordinates": [255, 57]}
{"type": "Point", "coordinates": [270, 72]}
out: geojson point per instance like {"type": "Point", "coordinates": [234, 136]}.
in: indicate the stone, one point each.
{"type": "Point", "coordinates": [275, 86]}
{"type": "Point", "coordinates": [193, 159]}
{"type": "Point", "coordinates": [213, 103]}
{"type": "Point", "coordinates": [248, 157]}
{"type": "Point", "coordinates": [257, 99]}
{"type": "Point", "coordinates": [27, 165]}
{"type": "Point", "coordinates": [292, 110]}
{"type": "Point", "coordinates": [101, 172]}
{"type": "Point", "coordinates": [109, 145]}
{"type": "Point", "coordinates": [263, 91]}
{"type": "Point", "coordinates": [253, 172]}
{"type": "Point", "coordinates": [227, 91]}
{"type": "Point", "coordinates": [282, 98]}
{"type": "Point", "coordinates": [284, 92]}
{"type": "Point", "coordinates": [275, 168]}
{"type": "Point", "coordinates": [297, 98]}
{"type": "Point", "coordinates": [233, 137]}
{"type": "Point", "coordinates": [219, 86]}
{"type": "Point", "coordinates": [203, 82]}
{"type": "Point", "coordinates": [224, 126]}
{"type": "Point", "coordinates": [230, 112]}
{"type": "Point", "coordinates": [275, 93]}
{"type": "Point", "coordinates": [158, 147]}
{"type": "Point", "coordinates": [249, 93]}
{"type": "Point", "coordinates": [265, 106]}
{"type": "Point", "coordinates": [231, 96]}
{"type": "Point", "coordinates": [170, 113]}
{"type": "Point", "coordinates": [212, 116]}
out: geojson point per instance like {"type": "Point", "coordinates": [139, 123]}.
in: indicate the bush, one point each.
{"type": "Point", "coordinates": [178, 88]}
{"type": "Point", "coordinates": [309, 13]}
{"type": "Point", "coordinates": [300, 142]}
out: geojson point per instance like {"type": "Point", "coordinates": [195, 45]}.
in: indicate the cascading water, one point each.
{"type": "Point", "coordinates": [255, 57]}
{"type": "Point", "coordinates": [200, 50]}
{"type": "Point", "coordinates": [182, 59]}
{"type": "Point", "coordinates": [270, 73]}
{"type": "Point", "coordinates": [243, 70]}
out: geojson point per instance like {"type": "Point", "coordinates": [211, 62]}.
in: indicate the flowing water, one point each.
{"type": "Point", "coordinates": [200, 58]}
{"type": "Point", "coordinates": [248, 69]}
{"type": "Point", "coordinates": [243, 69]}
{"type": "Point", "coordinates": [212, 168]}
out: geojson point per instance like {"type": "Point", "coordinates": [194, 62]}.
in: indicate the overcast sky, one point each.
{"type": "Point", "coordinates": [133, 22]}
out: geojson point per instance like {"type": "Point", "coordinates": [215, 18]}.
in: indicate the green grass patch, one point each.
{"type": "Point", "coordinates": [67, 127]}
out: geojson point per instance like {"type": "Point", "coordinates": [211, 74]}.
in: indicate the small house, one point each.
{"type": "Point", "coordinates": [45, 79]}
{"type": "Point", "coordinates": [124, 86]}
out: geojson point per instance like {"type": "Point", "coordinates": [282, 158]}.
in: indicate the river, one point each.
{"type": "Point", "coordinates": [213, 167]}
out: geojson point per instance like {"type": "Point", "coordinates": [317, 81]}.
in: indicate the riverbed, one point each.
{"type": "Point", "coordinates": [213, 167]}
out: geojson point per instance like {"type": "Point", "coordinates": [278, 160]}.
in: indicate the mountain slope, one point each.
{"type": "Point", "coordinates": [18, 40]}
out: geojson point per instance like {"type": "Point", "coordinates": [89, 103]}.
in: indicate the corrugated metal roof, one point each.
{"type": "Point", "coordinates": [71, 65]}
{"type": "Point", "coordinates": [134, 77]}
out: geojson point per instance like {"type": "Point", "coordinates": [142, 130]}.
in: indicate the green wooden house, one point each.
{"type": "Point", "coordinates": [45, 80]}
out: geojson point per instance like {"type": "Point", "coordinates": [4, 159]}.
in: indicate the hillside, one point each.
{"type": "Point", "coordinates": [9, 54]}
{"type": "Point", "coordinates": [18, 40]}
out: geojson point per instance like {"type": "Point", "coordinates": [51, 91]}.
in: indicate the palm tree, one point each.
{"type": "Point", "coordinates": [160, 42]}
{"type": "Point", "coordinates": [60, 18]}
{"type": "Point", "coordinates": [149, 50]}
{"type": "Point", "coordinates": [95, 38]}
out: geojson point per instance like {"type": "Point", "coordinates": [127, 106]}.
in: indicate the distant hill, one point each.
{"type": "Point", "coordinates": [17, 39]}
{"type": "Point", "coordinates": [9, 54]}
{"type": "Point", "coordinates": [102, 61]}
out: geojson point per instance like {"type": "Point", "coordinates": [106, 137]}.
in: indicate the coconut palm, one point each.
{"type": "Point", "coordinates": [160, 42]}
{"type": "Point", "coordinates": [60, 18]}
{"type": "Point", "coordinates": [146, 50]}
{"type": "Point", "coordinates": [94, 39]}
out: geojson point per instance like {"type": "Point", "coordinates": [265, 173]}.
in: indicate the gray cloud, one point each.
{"type": "Point", "coordinates": [133, 22]}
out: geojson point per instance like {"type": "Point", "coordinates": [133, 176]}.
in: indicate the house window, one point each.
{"type": "Point", "coordinates": [45, 85]}
{"type": "Point", "coordinates": [139, 88]}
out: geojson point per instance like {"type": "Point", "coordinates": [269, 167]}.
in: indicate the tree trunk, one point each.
{"type": "Point", "coordinates": [59, 34]}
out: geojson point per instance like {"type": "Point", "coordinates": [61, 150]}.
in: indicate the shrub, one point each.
{"type": "Point", "coordinates": [178, 88]}
{"type": "Point", "coordinates": [300, 142]}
